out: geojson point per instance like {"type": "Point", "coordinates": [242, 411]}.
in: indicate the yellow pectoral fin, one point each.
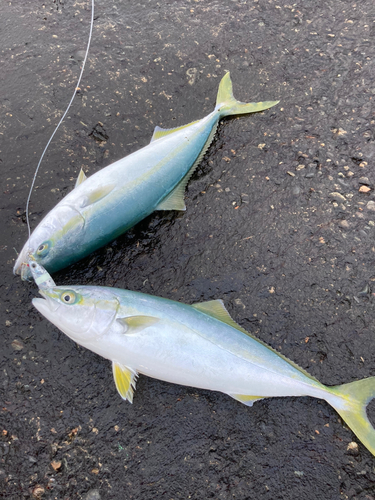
{"type": "Point", "coordinates": [245, 399]}
{"type": "Point", "coordinates": [125, 379]}
{"type": "Point", "coordinates": [97, 195]}
{"type": "Point", "coordinates": [135, 324]}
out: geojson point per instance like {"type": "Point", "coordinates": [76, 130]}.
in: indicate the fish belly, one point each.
{"type": "Point", "coordinates": [182, 357]}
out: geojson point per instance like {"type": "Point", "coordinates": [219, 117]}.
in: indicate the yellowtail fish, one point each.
{"type": "Point", "coordinates": [111, 201]}
{"type": "Point", "coordinates": [195, 345]}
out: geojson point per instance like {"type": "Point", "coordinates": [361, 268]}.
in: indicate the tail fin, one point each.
{"type": "Point", "coordinates": [228, 105]}
{"type": "Point", "coordinates": [351, 406]}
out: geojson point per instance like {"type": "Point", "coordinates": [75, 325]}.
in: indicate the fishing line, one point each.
{"type": "Point", "coordinates": [61, 120]}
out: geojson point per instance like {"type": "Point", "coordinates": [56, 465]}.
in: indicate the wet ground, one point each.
{"type": "Point", "coordinates": [280, 224]}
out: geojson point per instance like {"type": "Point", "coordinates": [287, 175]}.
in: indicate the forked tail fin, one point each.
{"type": "Point", "coordinates": [227, 105]}
{"type": "Point", "coordinates": [351, 406]}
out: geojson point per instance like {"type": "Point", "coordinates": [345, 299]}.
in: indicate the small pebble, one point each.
{"type": "Point", "coordinates": [364, 189]}
{"type": "Point", "coordinates": [364, 180]}
{"type": "Point", "coordinates": [56, 464]}
{"type": "Point", "coordinates": [298, 473]}
{"type": "Point", "coordinates": [337, 197]}
{"type": "Point", "coordinates": [343, 183]}
{"type": "Point", "coordinates": [92, 495]}
{"type": "Point", "coordinates": [353, 448]}
{"type": "Point", "coordinates": [371, 205]}
{"type": "Point", "coordinates": [339, 131]}
{"type": "Point", "coordinates": [38, 491]}
{"type": "Point", "coordinates": [17, 345]}
{"type": "Point", "coordinates": [296, 190]}
{"type": "Point", "coordinates": [310, 175]}
{"type": "Point", "coordinates": [344, 224]}
{"type": "Point", "coordinates": [79, 55]}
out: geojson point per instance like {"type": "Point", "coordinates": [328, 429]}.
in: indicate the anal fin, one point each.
{"type": "Point", "coordinates": [245, 399]}
{"type": "Point", "coordinates": [175, 199]}
{"type": "Point", "coordinates": [125, 379]}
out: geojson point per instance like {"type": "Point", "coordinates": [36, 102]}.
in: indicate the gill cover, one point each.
{"type": "Point", "coordinates": [53, 232]}
{"type": "Point", "coordinates": [78, 312]}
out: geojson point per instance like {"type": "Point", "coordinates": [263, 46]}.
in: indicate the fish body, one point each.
{"type": "Point", "coordinates": [111, 201]}
{"type": "Point", "coordinates": [195, 345]}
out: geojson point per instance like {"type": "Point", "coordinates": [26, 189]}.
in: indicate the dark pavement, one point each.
{"type": "Point", "coordinates": [280, 224]}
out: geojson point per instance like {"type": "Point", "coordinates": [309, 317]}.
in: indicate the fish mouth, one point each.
{"type": "Point", "coordinates": [46, 305]}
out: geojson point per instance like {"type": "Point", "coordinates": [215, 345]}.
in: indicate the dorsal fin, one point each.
{"type": "Point", "coordinates": [81, 178]}
{"type": "Point", "coordinates": [217, 310]}
{"type": "Point", "coordinates": [162, 132]}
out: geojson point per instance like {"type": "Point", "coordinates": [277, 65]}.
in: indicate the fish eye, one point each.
{"type": "Point", "coordinates": [43, 249]}
{"type": "Point", "coordinates": [33, 265]}
{"type": "Point", "coordinates": [68, 297]}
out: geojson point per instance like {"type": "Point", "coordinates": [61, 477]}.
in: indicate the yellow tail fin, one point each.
{"type": "Point", "coordinates": [228, 105]}
{"type": "Point", "coordinates": [351, 406]}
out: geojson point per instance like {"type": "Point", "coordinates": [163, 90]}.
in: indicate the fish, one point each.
{"type": "Point", "coordinates": [197, 345]}
{"type": "Point", "coordinates": [111, 201]}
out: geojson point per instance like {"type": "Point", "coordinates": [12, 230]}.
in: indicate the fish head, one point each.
{"type": "Point", "coordinates": [83, 313]}
{"type": "Point", "coordinates": [53, 241]}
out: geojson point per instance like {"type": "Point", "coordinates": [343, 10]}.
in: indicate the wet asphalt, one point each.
{"type": "Point", "coordinates": [280, 224]}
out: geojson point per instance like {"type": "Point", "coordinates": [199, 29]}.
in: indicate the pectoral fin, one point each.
{"type": "Point", "coordinates": [245, 399]}
{"type": "Point", "coordinates": [125, 379]}
{"type": "Point", "coordinates": [81, 178]}
{"type": "Point", "coordinates": [135, 324]}
{"type": "Point", "coordinates": [96, 195]}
